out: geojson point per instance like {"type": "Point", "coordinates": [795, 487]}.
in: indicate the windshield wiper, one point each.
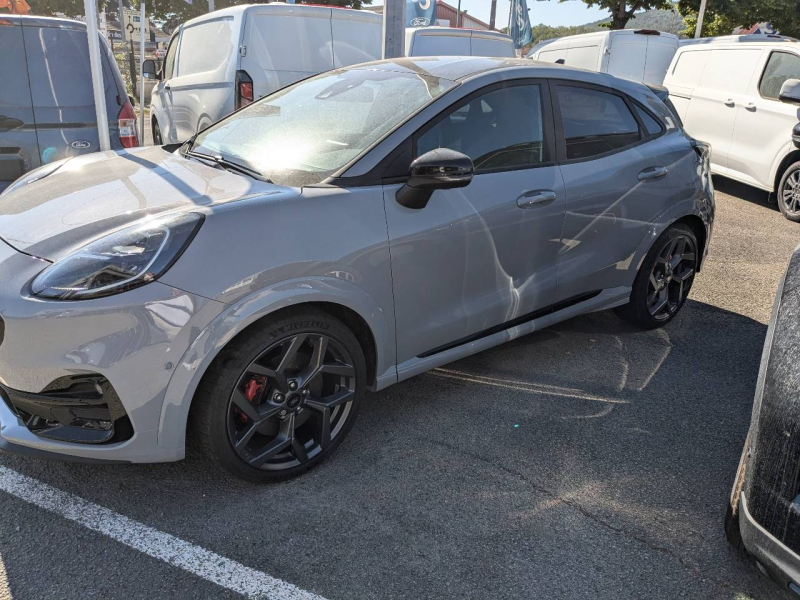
{"type": "Point", "coordinates": [229, 165]}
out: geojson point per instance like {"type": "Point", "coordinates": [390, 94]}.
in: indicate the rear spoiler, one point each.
{"type": "Point", "coordinates": [659, 90]}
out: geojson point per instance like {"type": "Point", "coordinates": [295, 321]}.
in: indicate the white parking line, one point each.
{"type": "Point", "coordinates": [172, 550]}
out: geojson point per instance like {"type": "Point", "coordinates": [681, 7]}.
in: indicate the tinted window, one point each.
{"type": "Point", "coordinates": [169, 59]}
{"type": "Point", "coordinates": [780, 67]}
{"type": "Point", "coordinates": [14, 91]}
{"type": "Point", "coordinates": [651, 125]}
{"type": "Point", "coordinates": [595, 122]}
{"type": "Point", "coordinates": [58, 67]}
{"type": "Point", "coordinates": [500, 129]}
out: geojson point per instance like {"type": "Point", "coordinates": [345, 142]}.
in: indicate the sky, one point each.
{"type": "Point", "coordinates": [573, 12]}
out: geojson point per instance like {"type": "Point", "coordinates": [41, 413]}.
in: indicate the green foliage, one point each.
{"type": "Point", "coordinates": [623, 11]}
{"type": "Point", "coordinates": [723, 16]}
{"type": "Point", "coordinates": [71, 8]}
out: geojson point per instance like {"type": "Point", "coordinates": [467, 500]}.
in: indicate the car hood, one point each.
{"type": "Point", "coordinates": [96, 193]}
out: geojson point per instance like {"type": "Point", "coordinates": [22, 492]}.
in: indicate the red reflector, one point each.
{"type": "Point", "coordinates": [6, 22]}
{"type": "Point", "coordinates": [126, 121]}
{"type": "Point", "coordinates": [246, 91]}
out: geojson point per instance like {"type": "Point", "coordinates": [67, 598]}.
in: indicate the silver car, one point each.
{"type": "Point", "coordinates": [341, 235]}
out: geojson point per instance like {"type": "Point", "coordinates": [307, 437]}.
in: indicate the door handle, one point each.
{"type": "Point", "coordinates": [750, 106]}
{"type": "Point", "coordinates": [167, 87]}
{"type": "Point", "coordinates": [536, 198]}
{"type": "Point", "coordinates": [729, 102]}
{"type": "Point", "coordinates": [652, 173]}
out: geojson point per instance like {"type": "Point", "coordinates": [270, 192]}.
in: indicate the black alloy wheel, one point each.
{"type": "Point", "coordinates": [291, 402]}
{"type": "Point", "coordinates": [281, 397]}
{"type": "Point", "coordinates": [664, 279]}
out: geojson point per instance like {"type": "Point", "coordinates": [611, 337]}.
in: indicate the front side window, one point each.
{"type": "Point", "coordinates": [501, 129]}
{"type": "Point", "coordinates": [595, 122]}
{"type": "Point", "coordinates": [169, 59]}
{"type": "Point", "coordinates": [302, 134]}
{"type": "Point", "coordinates": [780, 67]}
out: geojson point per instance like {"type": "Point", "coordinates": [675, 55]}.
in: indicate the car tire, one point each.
{"type": "Point", "coordinates": [732, 532]}
{"type": "Point", "coordinates": [664, 280]}
{"type": "Point", "coordinates": [157, 141]}
{"type": "Point", "coordinates": [252, 386]}
{"type": "Point", "coordinates": [788, 193]}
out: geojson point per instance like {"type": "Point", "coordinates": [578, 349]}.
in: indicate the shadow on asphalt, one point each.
{"type": "Point", "coordinates": [743, 192]}
{"type": "Point", "coordinates": [589, 448]}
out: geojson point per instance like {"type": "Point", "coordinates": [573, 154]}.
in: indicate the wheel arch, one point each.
{"type": "Point", "coordinates": [356, 309]}
{"type": "Point", "coordinates": [697, 226]}
{"type": "Point", "coordinates": [788, 160]}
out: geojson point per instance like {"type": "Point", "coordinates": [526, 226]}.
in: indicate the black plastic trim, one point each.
{"type": "Point", "coordinates": [6, 446]}
{"type": "Point", "coordinates": [542, 312]}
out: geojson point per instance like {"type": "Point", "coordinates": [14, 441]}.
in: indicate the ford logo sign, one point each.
{"type": "Point", "coordinates": [420, 22]}
{"type": "Point", "coordinates": [80, 144]}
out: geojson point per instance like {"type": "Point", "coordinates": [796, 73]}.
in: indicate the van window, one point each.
{"type": "Point", "coordinates": [355, 41]}
{"type": "Point", "coordinates": [169, 59]}
{"type": "Point", "coordinates": [595, 122]}
{"type": "Point", "coordinates": [205, 47]}
{"type": "Point", "coordinates": [441, 45]}
{"type": "Point", "coordinates": [730, 70]}
{"type": "Point", "coordinates": [58, 68]}
{"type": "Point", "coordinates": [483, 46]}
{"type": "Point", "coordinates": [14, 92]}
{"type": "Point", "coordinates": [689, 68]}
{"type": "Point", "coordinates": [780, 67]}
{"type": "Point", "coordinates": [501, 129]}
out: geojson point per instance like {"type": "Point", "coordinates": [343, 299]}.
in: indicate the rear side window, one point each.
{"type": "Point", "coordinates": [780, 67]}
{"type": "Point", "coordinates": [689, 68]}
{"type": "Point", "coordinates": [651, 125]}
{"type": "Point", "coordinates": [58, 68]}
{"type": "Point", "coordinates": [501, 129]}
{"type": "Point", "coordinates": [14, 92]}
{"type": "Point", "coordinates": [205, 47]}
{"type": "Point", "coordinates": [169, 59]}
{"type": "Point", "coordinates": [595, 122]}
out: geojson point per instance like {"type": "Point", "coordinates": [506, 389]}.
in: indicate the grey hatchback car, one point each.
{"type": "Point", "coordinates": [343, 234]}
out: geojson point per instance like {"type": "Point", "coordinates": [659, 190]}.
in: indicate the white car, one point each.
{"type": "Point", "coordinates": [641, 55]}
{"type": "Point", "coordinates": [227, 59]}
{"type": "Point", "coordinates": [456, 41]}
{"type": "Point", "coordinates": [737, 94]}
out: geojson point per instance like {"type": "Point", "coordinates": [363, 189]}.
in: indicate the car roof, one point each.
{"type": "Point", "coordinates": [34, 21]}
{"type": "Point", "coordinates": [460, 68]}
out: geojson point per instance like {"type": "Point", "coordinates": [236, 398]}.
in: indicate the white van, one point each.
{"type": "Point", "coordinates": [453, 41]}
{"type": "Point", "coordinates": [638, 54]}
{"type": "Point", "coordinates": [226, 59]}
{"type": "Point", "coordinates": [730, 93]}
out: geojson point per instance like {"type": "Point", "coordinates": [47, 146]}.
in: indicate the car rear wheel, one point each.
{"type": "Point", "coordinates": [789, 193]}
{"type": "Point", "coordinates": [282, 397]}
{"type": "Point", "coordinates": [157, 141]}
{"type": "Point", "coordinates": [664, 279]}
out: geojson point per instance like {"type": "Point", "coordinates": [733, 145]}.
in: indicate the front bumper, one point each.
{"type": "Point", "coordinates": [132, 340]}
{"type": "Point", "coordinates": [782, 563]}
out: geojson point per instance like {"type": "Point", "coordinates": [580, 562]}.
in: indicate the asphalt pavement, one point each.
{"type": "Point", "coordinates": [588, 460]}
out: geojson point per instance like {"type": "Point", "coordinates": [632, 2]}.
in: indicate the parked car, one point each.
{"type": "Point", "coordinates": [637, 54]}
{"type": "Point", "coordinates": [226, 59]}
{"type": "Point", "coordinates": [763, 516]}
{"type": "Point", "coordinates": [455, 41]}
{"type": "Point", "coordinates": [47, 108]}
{"type": "Point", "coordinates": [345, 233]}
{"type": "Point", "coordinates": [731, 93]}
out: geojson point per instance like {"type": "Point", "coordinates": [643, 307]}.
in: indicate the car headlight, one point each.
{"type": "Point", "coordinates": [119, 261]}
{"type": "Point", "coordinates": [34, 175]}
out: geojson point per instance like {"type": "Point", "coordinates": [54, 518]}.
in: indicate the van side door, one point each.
{"type": "Point", "coordinates": [19, 148]}
{"type": "Point", "coordinates": [762, 136]}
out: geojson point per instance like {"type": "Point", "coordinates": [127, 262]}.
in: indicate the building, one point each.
{"type": "Point", "coordinates": [447, 16]}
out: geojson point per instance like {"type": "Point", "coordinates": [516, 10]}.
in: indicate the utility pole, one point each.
{"type": "Point", "coordinates": [210, 5]}
{"type": "Point", "coordinates": [493, 14]}
{"type": "Point", "coordinates": [458, 14]}
{"type": "Point", "coordinates": [699, 29]}
{"type": "Point", "coordinates": [121, 18]}
{"type": "Point", "coordinates": [394, 29]}
{"type": "Point", "coordinates": [97, 74]}
{"type": "Point", "coordinates": [142, 28]}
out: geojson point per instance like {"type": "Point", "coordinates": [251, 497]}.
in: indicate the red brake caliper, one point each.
{"type": "Point", "coordinates": [251, 391]}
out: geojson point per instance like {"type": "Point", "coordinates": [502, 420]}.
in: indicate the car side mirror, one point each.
{"type": "Point", "coordinates": [440, 169]}
{"type": "Point", "coordinates": [149, 70]}
{"type": "Point", "coordinates": [790, 91]}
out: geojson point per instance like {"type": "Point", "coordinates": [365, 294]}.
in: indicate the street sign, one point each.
{"type": "Point", "coordinates": [132, 22]}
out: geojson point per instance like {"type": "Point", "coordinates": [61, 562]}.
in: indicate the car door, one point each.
{"type": "Point", "coordinates": [161, 102]}
{"type": "Point", "coordinates": [721, 90]}
{"type": "Point", "coordinates": [482, 256]}
{"type": "Point", "coordinates": [618, 182]}
{"type": "Point", "coordinates": [19, 148]}
{"type": "Point", "coordinates": [762, 135]}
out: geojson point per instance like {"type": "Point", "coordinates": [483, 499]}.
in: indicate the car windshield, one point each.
{"type": "Point", "coordinates": [304, 133]}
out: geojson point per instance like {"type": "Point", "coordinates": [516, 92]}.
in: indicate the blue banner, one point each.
{"type": "Point", "coordinates": [420, 13]}
{"type": "Point", "coordinates": [520, 26]}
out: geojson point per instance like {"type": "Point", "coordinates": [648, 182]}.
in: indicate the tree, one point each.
{"type": "Point", "coordinates": [70, 8]}
{"type": "Point", "coordinates": [623, 11]}
{"type": "Point", "coordinates": [723, 16]}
